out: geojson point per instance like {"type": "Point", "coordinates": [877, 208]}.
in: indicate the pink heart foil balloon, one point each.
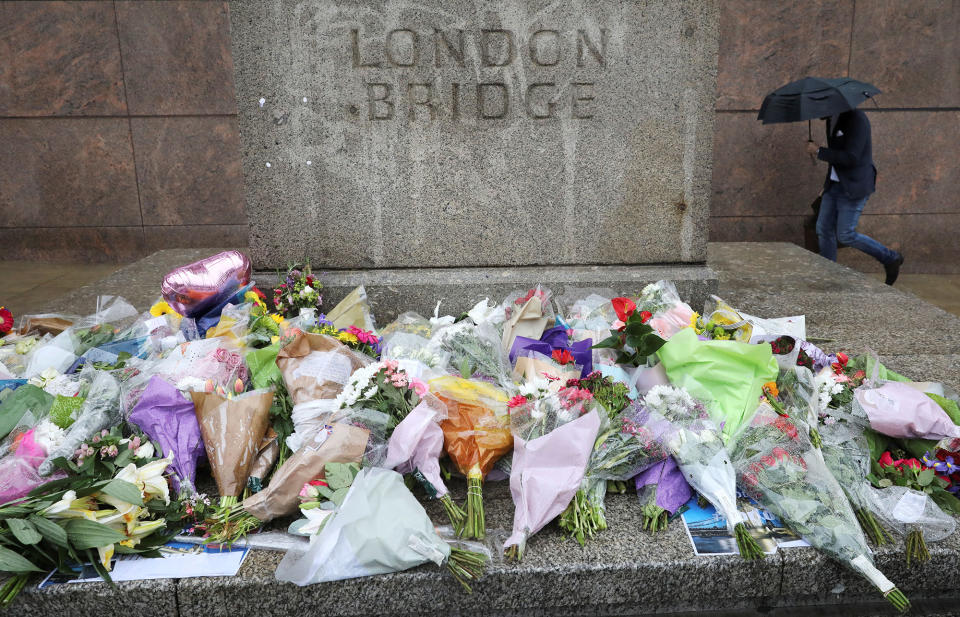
{"type": "Point", "coordinates": [194, 289]}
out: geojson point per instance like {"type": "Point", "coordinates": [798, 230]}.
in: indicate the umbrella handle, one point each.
{"type": "Point", "coordinates": [813, 158]}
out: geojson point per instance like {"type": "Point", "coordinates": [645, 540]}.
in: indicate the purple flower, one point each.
{"type": "Point", "coordinates": [929, 460]}
{"type": "Point", "coordinates": [945, 467]}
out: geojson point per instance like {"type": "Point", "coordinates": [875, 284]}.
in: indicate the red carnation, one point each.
{"type": "Point", "coordinates": [886, 460]}
{"type": "Point", "coordinates": [624, 308]}
{"type": "Point", "coordinates": [645, 316]}
{"type": "Point", "coordinates": [6, 320]}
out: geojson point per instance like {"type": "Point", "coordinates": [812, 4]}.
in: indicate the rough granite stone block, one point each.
{"type": "Point", "coordinates": [411, 134]}
{"type": "Point", "coordinates": [392, 292]}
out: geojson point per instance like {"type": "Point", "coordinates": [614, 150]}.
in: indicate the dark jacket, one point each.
{"type": "Point", "coordinates": [850, 152]}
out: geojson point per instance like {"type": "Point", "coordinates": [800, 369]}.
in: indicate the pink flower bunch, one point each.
{"type": "Point", "coordinates": [134, 443]}
{"type": "Point", "coordinates": [394, 375]}
{"type": "Point", "coordinates": [418, 386]}
{"type": "Point", "coordinates": [573, 396]}
{"type": "Point", "coordinates": [84, 451]}
{"type": "Point", "coordinates": [364, 336]}
{"type": "Point", "coordinates": [517, 401]}
{"type": "Point", "coordinates": [109, 451]}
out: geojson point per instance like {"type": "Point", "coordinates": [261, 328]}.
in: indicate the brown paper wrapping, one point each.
{"type": "Point", "coordinates": [305, 388]}
{"type": "Point", "coordinates": [45, 325]}
{"type": "Point", "coordinates": [344, 444]}
{"type": "Point", "coordinates": [267, 455]}
{"type": "Point", "coordinates": [474, 436]}
{"type": "Point", "coordinates": [232, 430]}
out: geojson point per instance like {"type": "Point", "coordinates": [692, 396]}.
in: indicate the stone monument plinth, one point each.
{"type": "Point", "coordinates": [383, 135]}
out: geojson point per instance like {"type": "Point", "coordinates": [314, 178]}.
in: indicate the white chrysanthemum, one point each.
{"type": "Point", "coordinates": [48, 435]}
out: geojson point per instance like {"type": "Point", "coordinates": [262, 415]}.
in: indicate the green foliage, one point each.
{"type": "Point", "coordinates": [634, 344]}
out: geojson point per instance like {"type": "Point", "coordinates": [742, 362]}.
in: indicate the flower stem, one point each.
{"type": "Point", "coordinates": [475, 527]}
{"type": "Point", "coordinates": [749, 549]}
{"type": "Point", "coordinates": [898, 600]}
{"type": "Point", "coordinates": [654, 518]}
{"type": "Point", "coordinates": [917, 547]}
{"type": "Point", "coordinates": [454, 512]}
{"type": "Point", "coordinates": [877, 534]}
{"type": "Point", "coordinates": [12, 588]}
{"type": "Point", "coordinates": [466, 566]}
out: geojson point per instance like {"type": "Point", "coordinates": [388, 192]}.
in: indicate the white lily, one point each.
{"type": "Point", "coordinates": [71, 507]}
{"type": "Point", "coordinates": [149, 478]}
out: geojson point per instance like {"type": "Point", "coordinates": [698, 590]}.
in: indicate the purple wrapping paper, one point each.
{"type": "Point", "coordinates": [169, 419]}
{"type": "Point", "coordinates": [672, 488]}
{"type": "Point", "coordinates": [556, 338]}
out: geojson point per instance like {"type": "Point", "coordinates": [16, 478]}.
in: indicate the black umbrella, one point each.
{"type": "Point", "coordinates": [814, 97]}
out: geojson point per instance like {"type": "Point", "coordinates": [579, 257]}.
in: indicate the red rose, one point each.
{"type": "Point", "coordinates": [768, 460]}
{"type": "Point", "coordinates": [645, 316]}
{"type": "Point", "coordinates": [780, 454]}
{"type": "Point", "coordinates": [945, 479]}
{"type": "Point", "coordinates": [912, 462]}
{"type": "Point", "coordinates": [624, 308]}
{"type": "Point", "coordinates": [886, 460]}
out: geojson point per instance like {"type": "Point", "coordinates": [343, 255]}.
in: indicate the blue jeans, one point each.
{"type": "Point", "coordinates": [838, 222]}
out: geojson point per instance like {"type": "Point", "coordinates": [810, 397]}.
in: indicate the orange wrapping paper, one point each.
{"type": "Point", "coordinates": [474, 434]}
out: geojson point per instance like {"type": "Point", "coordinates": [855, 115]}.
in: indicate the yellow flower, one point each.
{"type": "Point", "coordinates": [274, 339]}
{"type": "Point", "coordinates": [162, 308]}
{"type": "Point", "coordinates": [276, 318]}
{"type": "Point", "coordinates": [347, 337]}
{"type": "Point", "coordinates": [251, 296]}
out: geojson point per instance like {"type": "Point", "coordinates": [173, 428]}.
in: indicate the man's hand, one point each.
{"type": "Point", "coordinates": [812, 148]}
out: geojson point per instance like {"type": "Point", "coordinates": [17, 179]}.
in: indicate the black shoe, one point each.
{"type": "Point", "coordinates": [893, 269]}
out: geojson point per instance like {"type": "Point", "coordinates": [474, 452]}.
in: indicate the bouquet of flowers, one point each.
{"type": "Point", "coordinates": [847, 456]}
{"type": "Point", "coordinates": [378, 528]}
{"type": "Point", "coordinates": [779, 467]}
{"type": "Point", "coordinates": [112, 501]}
{"type": "Point", "coordinates": [631, 336]}
{"type": "Point", "coordinates": [905, 501]}
{"type": "Point", "coordinates": [24, 450]}
{"type": "Point", "coordinates": [696, 445]}
{"type": "Point", "coordinates": [475, 351]}
{"type": "Point", "coordinates": [170, 419]}
{"type": "Point", "coordinates": [232, 430]}
{"type": "Point", "coordinates": [334, 443]}
{"type": "Point", "coordinates": [661, 490]}
{"type": "Point", "coordinates": [319, 499]}
{"type": "Point", "coordinates": [476, 433]}
{"type": "Point", "coordinates": [613, 396]}
{"type": "Point", "coordinates": [552, 439]}
{"type": "Point", "coordinates": [385, 387]}
{"type": "Point", "coordinates": [415, 446]}
{"type": "Point", "coordinates": [668, 313]}
{"type": "Point", "coordinates": [625, 446]}
{"type": "Point", "coordinates": [299, 288]}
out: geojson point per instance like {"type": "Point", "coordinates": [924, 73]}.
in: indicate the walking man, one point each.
{"type": "Point", "coordinates": [851, 179]}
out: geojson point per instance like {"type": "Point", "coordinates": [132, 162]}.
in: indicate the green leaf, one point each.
{"type": "Point", "coordinates": [636, 328]}
{"type": "Point", "coordinates": [611, 342]}
{"type": "Point", "coordinates": [50, 531]}
{"type": "Point", "coordinates": [925, 477]}
{"type": "Point", "coordinates": [13, 562]}
{"type": "Point", "coordinates": [885, 482]}
{"type": "Point", "coordinates": [123, 490]}
{"type": "Point", "coordinates": [339, 495]}
{"type": "Point", "coordinates": [339, 475]}
{"type": "Point", "coordinates": [124, 458]}
{"type": "Point", "coordinates": [85, 534]}
{"type": "Point", "coordinates": [24, 531]}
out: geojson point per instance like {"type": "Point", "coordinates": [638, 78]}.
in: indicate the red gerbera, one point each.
{"type": "Point", "coordinates": [624, 308]}
{"type": "Point", "coordinates": [6, 320]}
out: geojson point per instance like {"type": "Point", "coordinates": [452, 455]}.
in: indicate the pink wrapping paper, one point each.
{"type": "Point", "coordinates": [898, 410]}
{"type": "Point", "coordinates": [18, 470]}
{"type": "Point", "coordinates": [417, 443]}
{"type": "Point", "coordinates": [547, 472]}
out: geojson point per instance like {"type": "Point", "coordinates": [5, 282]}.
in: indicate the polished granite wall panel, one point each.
{"type": "Point", "coordinates": [67, 172]}
{"type": "Point", "coordinates": [59, 59]}
{"type": "Point", "coordinates": [176, 57]}
{"type": "Point", "coordinates": [184, 176]}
